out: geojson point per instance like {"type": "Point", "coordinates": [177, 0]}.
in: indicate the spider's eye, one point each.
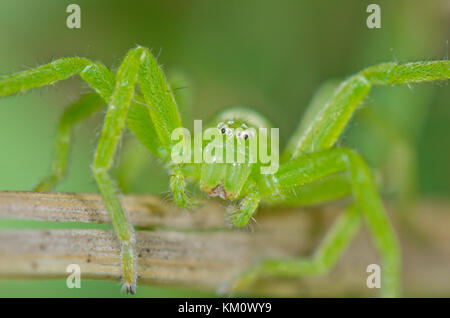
{"type": "Point", "coordinates": [223, 130]}
{"type": "Point", "coordinates": [245, 136]}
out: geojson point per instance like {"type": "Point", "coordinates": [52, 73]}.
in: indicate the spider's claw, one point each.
{"type": "Point", "coordinates": [129, 288]}
{"type": "Point", "coordinates": [128, 267]}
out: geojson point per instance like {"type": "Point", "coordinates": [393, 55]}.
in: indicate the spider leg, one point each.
{"type": "Point", "coordinates": [118, 92]}
{"type": "Point", "coordinates": [164, 114]}
{"type": "Point", "coordinates": [179, 84]}
{"type": "Point", "coordinates": [320, 191]}
{"type": "Point", "coordinates": [324, 258]}
{"type": "Point", "coordinates": [247, 206]}
{"type": "Point", "coordinates": [83, 108]}
{"type": "Point", "coordinates": [102, 81]}
{"type": "Point", "coordinates": [178, 188]}
{"type": "Point", "coordinates": [331, 109]}
{"type": "Point", "coordinates": [318, 101]}
{"type": "Point", "coordinates": [312, 167]}
{"type": "Point", "coordinates": [141, 124]}
{"type": "Point", "coordinates": [95, 74]}
{"type": "Point", "coordinates": [118, 107]}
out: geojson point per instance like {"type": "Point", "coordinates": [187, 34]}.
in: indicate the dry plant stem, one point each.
{"type": "Point", "coordinates": [200, 251]}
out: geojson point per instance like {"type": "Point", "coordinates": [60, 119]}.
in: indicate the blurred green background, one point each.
{"type": "Point", "coordinates": [269, 55]}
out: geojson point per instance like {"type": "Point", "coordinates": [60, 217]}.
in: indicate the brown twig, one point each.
{"type": "Point", "coordinates": [198, 249]}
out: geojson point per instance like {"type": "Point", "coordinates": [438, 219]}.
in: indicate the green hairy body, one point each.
{"type": "Point", "coordinates": [312, 169]}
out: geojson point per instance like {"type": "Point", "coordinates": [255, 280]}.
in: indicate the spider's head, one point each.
{"type": "Point", "coordinates": [236, 129]}
{"type": "Point", "coordinates": [228, 158]}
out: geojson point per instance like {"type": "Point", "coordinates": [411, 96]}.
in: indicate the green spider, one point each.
{"type": "Point", "coordinates": [311, 171]}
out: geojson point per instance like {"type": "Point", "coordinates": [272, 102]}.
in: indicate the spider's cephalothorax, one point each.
{"type": "Point", "coordinates": [238, 148]}
{"type": "Point", "coordinates": [312, 169]}
{"type": "Point", "coordinates": [225, 175]}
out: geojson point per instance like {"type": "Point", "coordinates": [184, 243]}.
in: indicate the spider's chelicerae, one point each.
{"type": "Point", "coordinates": [305, 176]}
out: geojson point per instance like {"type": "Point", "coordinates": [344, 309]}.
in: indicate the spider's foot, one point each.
{"type": "Point", "coordinates": [241, 214]}
{"type": "Point", "coordinates": [180, 197]}
{"type": "Point", "coordinates": [45, 185]}
{"type": "Point", "coordinates": [184, 201]}
{"type": "Point", "coordinates": [128, 268]}
{"type": "Point", "coordinates": [129, 288]}
{"type": "Point", "coordinates": [240, 282]}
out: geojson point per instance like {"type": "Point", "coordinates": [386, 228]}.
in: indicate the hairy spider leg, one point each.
{"type": "Point", "coordinates": [319, 99]}
{"type": "Point", "coordinates": [323, 124]}
{"type": "Point", "coordinates": [312, 167]}
{"type": "Point", "coordinates": [325, 256]}
{"type": "Point", "coordinates": [321, 127]}
{"type": "Point", "coordinates": [333, 106]}
{"type": "Point", "coordinates": [102, 81]}
{"type": "Point", "coordinates": [81, 109]}
{"type": "Point", "coordinates": [58, 70]}
{"type": "Point", "coordinates": [96, 76]}
{"type": "Point", "coordinates": [118, 106]}
{"type": "Point", "coordinates": [138, 121]}
{"type": "Point", "coordinates": [138, 65]}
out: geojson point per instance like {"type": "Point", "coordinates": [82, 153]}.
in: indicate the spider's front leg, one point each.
{"type": "Point", "coordinates": [101, 80]}
{"type": "Point", "coordinates": [119, 103]}
{"type": "Point", "coordinates": [138, 120]}
{"type": "Point", "coordinates": [165, 117]}
{"type": "Point", "coordinates": [152, 124]}
{"type": "Point", "coordinates": [314, 167]}
{"type": "Point", "coordinates": [138, 66]}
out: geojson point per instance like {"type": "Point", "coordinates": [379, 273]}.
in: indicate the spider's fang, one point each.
{"type": "Point", "coordinates": [218, 191]}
